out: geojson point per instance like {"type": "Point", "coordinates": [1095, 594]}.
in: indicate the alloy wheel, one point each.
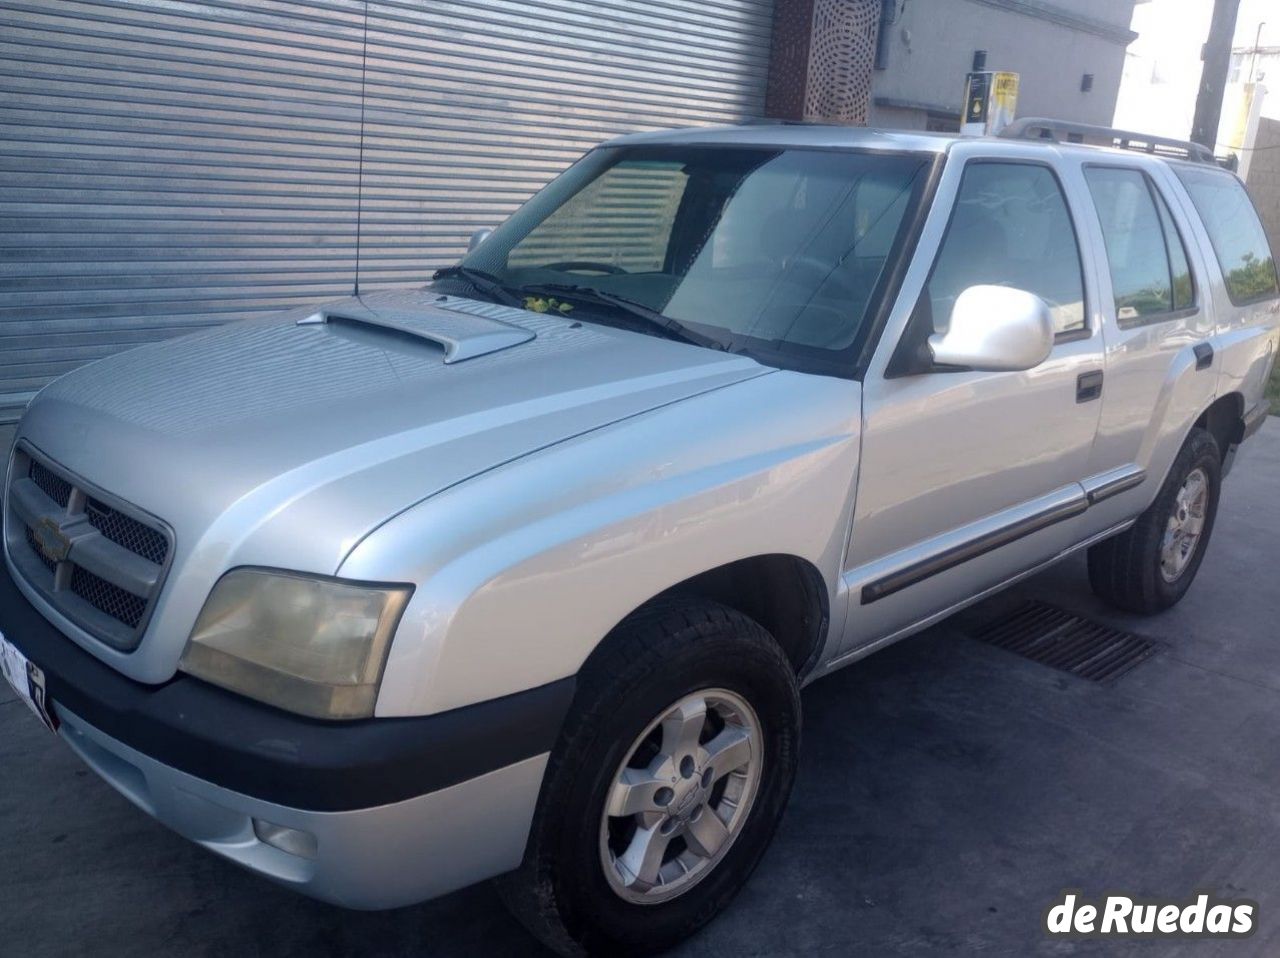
{"type": "Point", "coordinates": [681, 796]}
{"type": "Point", "coordinates": [1185, 526]}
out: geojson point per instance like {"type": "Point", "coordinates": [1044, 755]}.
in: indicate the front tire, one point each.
{"type": "Point", "coordinates": [670, 776]}
{"type": "Point", "coordinates": [1149, 568]}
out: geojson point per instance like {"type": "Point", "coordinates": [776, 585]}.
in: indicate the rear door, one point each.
{"type": "Point", "coordinates": [1246, 288]}
{"type": "Point", "coordinates": [1158, 321]}
{"type": "Point", "coordinates": [969, 478]}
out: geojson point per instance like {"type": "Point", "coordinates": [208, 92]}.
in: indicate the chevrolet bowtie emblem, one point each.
{"type": "Point", "coordinates": [53, 542]}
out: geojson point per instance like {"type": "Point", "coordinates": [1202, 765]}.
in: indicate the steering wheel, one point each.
{"type": "Point", "coordinates": [585, 265]}
{"type": "Point", "coordinates": [836, 285]}
{"type": "Point", "coordinates": [833, 280]}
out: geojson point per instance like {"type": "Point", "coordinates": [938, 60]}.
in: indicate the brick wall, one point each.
{"type": "Point", "coordinates": [1264, 178]}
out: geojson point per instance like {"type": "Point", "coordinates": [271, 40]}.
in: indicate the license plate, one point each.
{"type": "Point", "coordinates": [27, 681]}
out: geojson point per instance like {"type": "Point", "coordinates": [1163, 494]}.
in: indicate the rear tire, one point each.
{"type": "Point", "coordinates": [635, 719]}
{"type": "Point", "coordinates": [1149, 568]}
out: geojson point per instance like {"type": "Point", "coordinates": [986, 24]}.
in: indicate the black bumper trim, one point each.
{"type": "Point", "coordinates": [263, 752]}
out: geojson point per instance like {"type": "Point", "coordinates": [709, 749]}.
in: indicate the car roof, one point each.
{"type": "Point", "coordinates": [831, 136]}
{"type": "Point", "coordinates": [795, 134]}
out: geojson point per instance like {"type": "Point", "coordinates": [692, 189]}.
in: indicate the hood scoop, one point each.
{"type": "Point", "coordinates": [462, 335]}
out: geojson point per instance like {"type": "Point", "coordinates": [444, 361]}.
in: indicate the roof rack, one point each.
{"type": "Point", "coordinates": [1041, 128]}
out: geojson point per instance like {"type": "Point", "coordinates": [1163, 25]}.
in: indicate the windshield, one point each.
{"type": "Point", "coordinates": [777, 251]}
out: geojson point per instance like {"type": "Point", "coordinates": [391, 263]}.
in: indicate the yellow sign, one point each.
{"type": "Point", "coordinates": [1006, 92]}
{"type": "Point", "coordinates": [991, 100]}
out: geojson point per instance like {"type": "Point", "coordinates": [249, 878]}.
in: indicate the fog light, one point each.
{"type": "Point", "coordinates": [291, 840]}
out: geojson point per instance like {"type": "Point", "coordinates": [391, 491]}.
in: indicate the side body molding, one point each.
{"type": "Point", "coordinates": [977, 539]}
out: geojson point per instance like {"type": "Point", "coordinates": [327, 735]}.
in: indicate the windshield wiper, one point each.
{"type": "Point", "coordinates": [673, 329]}
{"type": "Point", "coordinates": [486, 283]}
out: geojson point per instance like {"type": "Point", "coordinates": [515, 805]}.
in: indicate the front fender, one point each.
{"type": "Point", "coordinates": [522, 570]}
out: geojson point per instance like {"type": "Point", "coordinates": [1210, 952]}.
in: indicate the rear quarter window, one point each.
{"type": "Point", "coordinates": [1239, 241]}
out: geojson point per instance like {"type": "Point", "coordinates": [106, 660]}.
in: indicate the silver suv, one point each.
{"type": "Point", "coordinates": [521, 573]}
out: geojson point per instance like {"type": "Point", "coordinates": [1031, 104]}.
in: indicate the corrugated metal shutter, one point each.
{"type": "Point", "coordinates": [624, 217]}
{"type": "Point", "coordinates": [170, 163]}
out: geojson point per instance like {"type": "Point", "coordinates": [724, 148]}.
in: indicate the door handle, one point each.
{"type": "Point", "coordinates": [1204, 355]}
{"type": "Point", "coordinates": [1089, 386]}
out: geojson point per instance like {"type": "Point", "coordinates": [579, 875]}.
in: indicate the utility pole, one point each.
{"type": "Point", "coordinates": [1213, 76]}
{"type": "Point", "coordinates": [1257, 40]}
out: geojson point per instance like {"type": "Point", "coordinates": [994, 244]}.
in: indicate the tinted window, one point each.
{"type": "Point", "coordinates": [1184, 293]}
{"type": "Point", "coordinates": [623, 218]}
{"type": "Point", "coordinates": [1138, 251]}
{"type": "Point", "coordinates": [1237, 236]}
{"type": "Point", "coordinates": [776, 251]}
{"type": "Point", "coordinates": [1010, 227]}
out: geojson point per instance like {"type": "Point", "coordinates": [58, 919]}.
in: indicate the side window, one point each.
{"type": "Point", "coordinates": [1149, 272]}
{"type": "Point", "coordinates": [1184, 291]}
{"type": "Point", "coordinates": [1010, 227]}
{"type": "Point", "coordinates": [1238, 239]}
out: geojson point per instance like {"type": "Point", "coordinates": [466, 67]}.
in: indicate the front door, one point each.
{"type": "Point", "coordinates": [969, 478]}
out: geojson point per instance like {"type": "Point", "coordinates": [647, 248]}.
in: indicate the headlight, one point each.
{"type": "Point", "coordinates": [310, 645]}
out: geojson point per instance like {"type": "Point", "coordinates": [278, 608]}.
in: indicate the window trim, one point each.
{"type": "Point", "coordinates": [901, 256]}
{"type": "Point", "coordinates": [900, 361]}
{"type": "Point", "coordinates": [1153, 190]}
{"type": "Point", "coordinates": [1162, 203]}
{"type": "Point", "coordinates": [1217, 257]}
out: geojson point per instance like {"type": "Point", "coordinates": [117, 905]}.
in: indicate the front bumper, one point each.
{"type": "Point", "coordinates": [393, 811]}
{"type": "Point", "coordinates": [368, 858]}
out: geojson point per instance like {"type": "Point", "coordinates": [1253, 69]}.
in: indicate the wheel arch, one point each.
{"type": "Point", "coordinates": [785, 593]}
{"type": "Point", "coordinates": [1224, 420]}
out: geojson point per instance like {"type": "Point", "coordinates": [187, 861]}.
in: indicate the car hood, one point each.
{"type": "Point", "coordinates": [283, 442]}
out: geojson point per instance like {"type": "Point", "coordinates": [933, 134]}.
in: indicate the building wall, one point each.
{"type": "Point", "coordinates": [1264, 178]}
{"type": "Point", "coordinates": [929, 49]}
{"type": "Point", "coordinates": [1254, 63]}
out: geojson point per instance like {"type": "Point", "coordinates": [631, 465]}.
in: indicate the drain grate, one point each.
{"type": "Point", "coordinates": [1060, 639]}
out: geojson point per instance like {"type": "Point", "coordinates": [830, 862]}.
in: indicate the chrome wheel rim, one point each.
{"type": "Point", "coordinates": [681, 796]}
{"type": "Point", "coordinates": [1185, 527]}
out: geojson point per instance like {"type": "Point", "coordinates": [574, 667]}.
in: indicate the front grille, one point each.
{"type": "Point", "coordinates": [127, 532]}
{"type": "Point", "coordinates": [35, 547]}
{"type": "Point", "coordinates": [107, 598]}
{"type": "Point", "coordinates": [80, 548]}
{"type": "Point", "coordinates": [53, 486]}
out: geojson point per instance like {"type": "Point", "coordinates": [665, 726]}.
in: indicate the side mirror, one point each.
{"type": "Point", "coordinates": [994, 329]}
{"type": "Point", "coordinates": [478, 237]}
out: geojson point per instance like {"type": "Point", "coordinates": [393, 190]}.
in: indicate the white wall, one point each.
{"type": "Point", "coordinates": [931, 49]}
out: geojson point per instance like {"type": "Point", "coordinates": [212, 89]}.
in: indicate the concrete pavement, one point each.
{"type": "Point", "coordinates": [948, 792]}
